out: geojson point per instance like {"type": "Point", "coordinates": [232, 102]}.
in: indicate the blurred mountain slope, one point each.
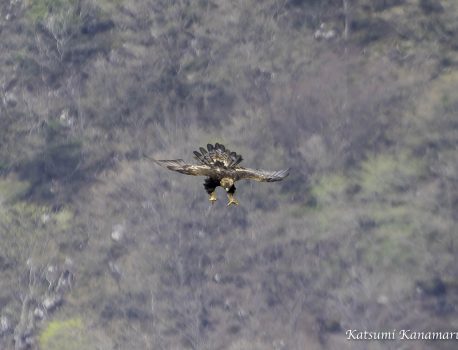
{"type": "Point", "coordinates": [100, 246]}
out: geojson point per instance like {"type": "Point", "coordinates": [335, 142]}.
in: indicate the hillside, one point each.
{"type": "Point", "coordinates": [102, 249]}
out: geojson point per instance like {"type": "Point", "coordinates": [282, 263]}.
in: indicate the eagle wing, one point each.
{"type": "Point", "coordinates": [182, 167]}
{"type": "Point", "coordinates": [260, 175]}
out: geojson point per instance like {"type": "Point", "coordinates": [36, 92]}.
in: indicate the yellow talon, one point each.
{"type": "Point", "coordinates": [212, 197]}
{"type": "Point", "coordinates": [232, 200]}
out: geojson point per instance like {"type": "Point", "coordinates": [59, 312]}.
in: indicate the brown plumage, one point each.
{"type": "Point", "coordinates": [221, 166]}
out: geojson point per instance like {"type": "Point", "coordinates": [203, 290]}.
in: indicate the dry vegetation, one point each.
{"type": "Point", "coordinates": [101, 249]}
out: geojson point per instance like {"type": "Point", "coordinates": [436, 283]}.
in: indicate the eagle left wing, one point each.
{"type": "Point", "coordinates": [182, 167]}
{"type": "Point", "coordinates": [260, 175]}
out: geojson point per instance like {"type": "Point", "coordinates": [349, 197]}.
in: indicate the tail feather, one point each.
{"type": "Point", "coordinates": [237, 160]}
{"type": "Point", "coordinates": [217, 154]}
{"type": "Point", "coordinates": [232, 157]}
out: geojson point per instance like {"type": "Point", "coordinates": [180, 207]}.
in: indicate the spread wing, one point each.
{"type": "Point", "coordinates": [260, 175]}
{"type": "Point", "coordinates": [184, 168]}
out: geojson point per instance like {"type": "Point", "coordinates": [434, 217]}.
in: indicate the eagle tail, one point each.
{"type": "Point", "coordinates": [236, 160]}
{"type": "Point", "coordinates": [220, 147]}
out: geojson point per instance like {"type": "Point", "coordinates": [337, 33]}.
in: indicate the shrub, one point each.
{"type": "Point", "coordinates": [65, 335]}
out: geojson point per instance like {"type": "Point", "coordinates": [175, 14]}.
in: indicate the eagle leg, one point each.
{"type": "Point", "coordinates": [210, 186]}
{"type": "Point", "coordinates": [232, 199]}
{"type": "Point", "coordinates": [212, 197]}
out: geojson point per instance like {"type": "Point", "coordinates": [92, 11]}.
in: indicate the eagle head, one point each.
{"type": "Point", "coordinates": [226, 183]}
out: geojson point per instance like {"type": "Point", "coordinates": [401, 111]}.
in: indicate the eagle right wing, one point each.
{"type": "Point", "coordinates": [261, 175]}
{"type": "Point", "coordinates": [180, 166]}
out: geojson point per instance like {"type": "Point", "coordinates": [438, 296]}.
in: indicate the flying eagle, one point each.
{"type": "Point", "coordinates": [221, 166]}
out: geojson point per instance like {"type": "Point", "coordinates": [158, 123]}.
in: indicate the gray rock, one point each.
{"type": "Point", "coordinates": [5, 324]}
{"type": "Point", "coordinates": [118, 232]}
{"type": "Point", "coordinates": [50, 303]}
{"type": "Point", "coordinates": [38, 313]}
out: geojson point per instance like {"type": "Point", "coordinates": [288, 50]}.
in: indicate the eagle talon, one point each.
{"type": "Point", "coordinates": [212, 197]}
{"type": "Point", "coordinates": [232, 200]}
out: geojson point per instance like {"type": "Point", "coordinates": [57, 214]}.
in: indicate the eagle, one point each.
{"type": "Point", "coordinates": [221, 167]}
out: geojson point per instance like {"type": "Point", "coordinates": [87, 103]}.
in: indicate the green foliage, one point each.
{"type": "Point", "coordinates": [66, 334]}
{"type": "Point", "coordinates": [11, 189]}
{"type": "Point", "coordinates": [20, 232]}
{"type": "Point", "coordinates": [39, 9]}
{"type": "Point", "coordinates": [390, 252]}
{"type": "Point", "coordinates": [109, 5]}
{"type": "Point", "coordinates": [386, 214]}
{"type": "Point", "coordinates": [31, 231]}
{"type": "Point", "coordinates": [63, 219]}
{"type": "Point", "coordinates": [329, 188]}
{"type": "Point", "coordinates": [387, 173]}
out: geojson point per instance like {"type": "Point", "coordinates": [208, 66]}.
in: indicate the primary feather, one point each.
{"type": "Point", "coordinates": [261, 175]}
{"type": "Point", "coordinates": [180, 166]}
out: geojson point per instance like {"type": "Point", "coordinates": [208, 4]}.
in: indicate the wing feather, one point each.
{"type": "Point", "coordinates": [261, 175]}
{"type": "Point", "coordinates": [182, 167]}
